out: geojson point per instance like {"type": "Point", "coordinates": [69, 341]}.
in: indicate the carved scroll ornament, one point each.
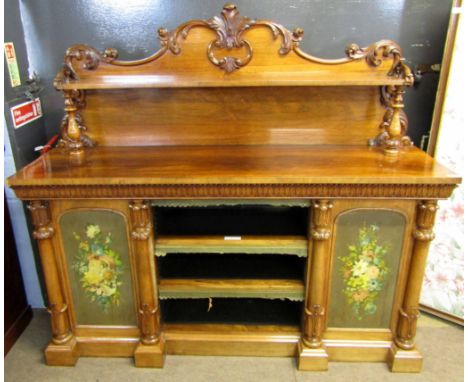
{"type": "Point", "coordinates": [229, 27]}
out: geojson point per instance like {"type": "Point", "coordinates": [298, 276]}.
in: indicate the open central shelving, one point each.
{"type": "Point", "coordinates": [234, 255]}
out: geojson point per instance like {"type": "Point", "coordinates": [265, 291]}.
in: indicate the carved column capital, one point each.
{"type": "Point", "coordinates": [141, 220]}
{"type": "Point", "coordinates": [41, 220]}
{"type": "Point", "coordinates": [425, 219]}
{"type": "Point", "coordinates": [321, 215]}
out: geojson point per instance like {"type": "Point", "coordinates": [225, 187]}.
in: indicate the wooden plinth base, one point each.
{"type": "Point", "coordinates": [311, 359]}
{"type": "Point", "coordinates": [404, 361]}
{"type": "Point", "coordinates": [62, 355]}
{"type": "Point", "coordinates": [150, 355]}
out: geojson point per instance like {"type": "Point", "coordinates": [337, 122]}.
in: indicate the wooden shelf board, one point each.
{"type": "Point", "coordinates": [254, 79]}
{"type": "Point", "coordinates": [232, 288]}
{"type": "Point", "coordinates": [286, 245]}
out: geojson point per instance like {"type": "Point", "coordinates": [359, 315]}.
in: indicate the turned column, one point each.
{"type": "Point", "coordinates": [312, 355]}
{"type": "Point", "coordinates": [404, 356]}
{"type": "Point", "coordinates": [62, 350]}
{"type": "Point", "coordinates": [150, 354]}
{"type": "Point", "coordinates": [43, 232]}
{"type": "Point", "coordinates": [73, 100]}
{"type": "Point", "coordinates": [423, 234]}
{"type": "Point", "coordinates": [394, 129]}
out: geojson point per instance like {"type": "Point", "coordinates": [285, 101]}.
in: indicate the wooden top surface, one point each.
{"type": "Point", "coordinates": [274, 164]}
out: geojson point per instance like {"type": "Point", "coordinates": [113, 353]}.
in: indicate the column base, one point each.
{"type": "Point", "coordinates": [62, 355]}
{"type": "Point", "coordinates": [312, 359]}
{"type": "Point", "coordinates": [150, 355]}
{"type": "Point", "coordinates": [404, 361]}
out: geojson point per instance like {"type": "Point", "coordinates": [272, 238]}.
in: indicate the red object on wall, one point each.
{"type": "Point", "coordinates": [26, 112]}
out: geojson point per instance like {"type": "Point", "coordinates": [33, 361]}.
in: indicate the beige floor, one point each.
{"type": "Point", "coordinates": [441, 343]}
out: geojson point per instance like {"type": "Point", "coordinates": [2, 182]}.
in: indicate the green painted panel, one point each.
{"type": "Point", "coordinates": [367, 255]}
{"type": "Point", "coordinates": [96, 249]}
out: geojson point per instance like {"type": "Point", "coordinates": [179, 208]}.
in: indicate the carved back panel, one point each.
{"type": "Point", "coordinates": [232, 80]}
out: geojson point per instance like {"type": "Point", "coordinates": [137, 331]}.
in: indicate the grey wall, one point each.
{"type": "Point", "coordinates": [18, 151]}
{"type": "Point", "coordinates": [419, 26]}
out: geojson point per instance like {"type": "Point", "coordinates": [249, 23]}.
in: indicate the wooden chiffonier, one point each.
{"type": "Point", "coordinates": [234, 195]}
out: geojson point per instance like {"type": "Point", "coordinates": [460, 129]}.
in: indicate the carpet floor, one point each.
{"type": "Point", "coordinates": [440, 343]}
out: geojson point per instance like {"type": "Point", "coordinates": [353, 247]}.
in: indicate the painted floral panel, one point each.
{"type": "Point", "coordinates": [367, 255]}
{"type": "Point", "coordinates": [96, 248]}
{"type": "Point", "coordinates": [99, 267]}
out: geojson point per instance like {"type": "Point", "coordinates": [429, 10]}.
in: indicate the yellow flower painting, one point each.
{"type": "Point", "coordinates": [99, 267]}
{"type": "Point", "coordinates": [364, 272]}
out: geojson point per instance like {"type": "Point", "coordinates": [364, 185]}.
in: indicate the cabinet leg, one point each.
{"type": "Point", "coordinates": [150, 355]}
{"type": "Point", "coordinates": [65, 354]}
{"type": "Point", "coordinates": [312, 359]}
{"type": "Point", "coordinates": [404, 361]}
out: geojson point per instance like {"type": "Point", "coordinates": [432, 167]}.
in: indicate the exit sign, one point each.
{"type": "Point", "coordinates": [26, 112]}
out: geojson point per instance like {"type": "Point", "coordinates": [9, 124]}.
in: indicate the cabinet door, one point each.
{"type": "Point", "coordinates": [96, 250]}
{"type": "Point", "coordinates": [366, 258]}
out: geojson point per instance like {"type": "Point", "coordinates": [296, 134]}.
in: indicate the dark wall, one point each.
{"type": "Point", "coordinates": [330, 25]}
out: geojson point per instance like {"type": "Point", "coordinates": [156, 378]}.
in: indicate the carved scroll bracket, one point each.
{"type": "Point", "coordinates": [375, 53]}
{"type": "Point", "coordinates": [87, 56]}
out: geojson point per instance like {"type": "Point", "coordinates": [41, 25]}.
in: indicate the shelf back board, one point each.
{"type": "Point", "coordinates": [233, 116]}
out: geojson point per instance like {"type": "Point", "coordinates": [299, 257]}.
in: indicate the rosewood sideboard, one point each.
{"type": "Point", "coordinates": [233, 195]}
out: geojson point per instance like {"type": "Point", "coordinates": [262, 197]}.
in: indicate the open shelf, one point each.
{"type": "Point", "coordinates": [284, 245]}
{"type": "Point", "coordinates": [246, 311]}
{"type": "Point", "coordinates": [231, 220]}
{"type": "Point", "coordinates": [231, 288]}
{"type": "Point", "coordinates": [230, 266]}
